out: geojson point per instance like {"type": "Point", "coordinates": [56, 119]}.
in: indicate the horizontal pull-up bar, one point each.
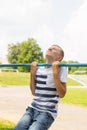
{"type": "Point", "coordinates": [45, 64]}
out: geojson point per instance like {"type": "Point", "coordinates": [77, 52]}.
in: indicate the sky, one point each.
{"type": "Point", "coordinates": [62, 22]}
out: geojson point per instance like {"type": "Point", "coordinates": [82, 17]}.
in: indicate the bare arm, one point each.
{"type": "Point", "coordinates": [32, 76]}
{"type": "Point", "coordinates": [61, 87]}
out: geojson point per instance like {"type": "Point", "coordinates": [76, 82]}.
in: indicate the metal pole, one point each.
{"type": "Point", "coordinates": [45, 64]}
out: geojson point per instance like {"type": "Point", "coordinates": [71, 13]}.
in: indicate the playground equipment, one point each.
{"type": "Point", "coordinates": [45, 64]}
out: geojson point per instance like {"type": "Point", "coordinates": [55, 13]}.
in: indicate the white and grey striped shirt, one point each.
{"type": "Point", "coordinates": [46, 97]}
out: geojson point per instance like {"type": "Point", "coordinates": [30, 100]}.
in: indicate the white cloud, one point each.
{"type": "Point", "coordinates": [42, 19]}
{"type": "Point", "coordinates": [44, 36]}
{"type": "Point", "coordinates": [20, 19]}
{"type": "Point", "coordinates": [76, 35]}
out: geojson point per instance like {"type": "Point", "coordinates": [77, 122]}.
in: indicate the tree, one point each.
{"type": "Point", "coordinates": [13, 52]}
{"type": "Point", "coordinates": [72, 69]}
{"type": "Point", "coordinates": [30, 51]}
{"type": "Point", "coordinates": [25, 52]}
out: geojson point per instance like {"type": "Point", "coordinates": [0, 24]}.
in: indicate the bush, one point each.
{"type": "Point", "coordinates": [9, 70]}
{"type": "Point", "coordinates": [80, 72]}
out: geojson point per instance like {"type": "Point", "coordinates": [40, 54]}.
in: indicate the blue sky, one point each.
{"type": "Point", "coordinates": [62, 22]}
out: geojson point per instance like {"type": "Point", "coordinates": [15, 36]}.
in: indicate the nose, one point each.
{"type": "Point", "coordinates": [50, 48]}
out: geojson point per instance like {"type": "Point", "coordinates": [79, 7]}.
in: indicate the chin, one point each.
{"type": "Point", "coordinates": [48, 57]}
{"type": "Point", "coordinates": [48, 53]}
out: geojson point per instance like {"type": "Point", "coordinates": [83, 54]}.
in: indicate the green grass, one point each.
{"type": "Point", "coordinates": [71, 82]}
{"type": "Point", "coordinates": [76, 96]}
{"type": "Point", "coordinates": [6, 125]}
{"type": "Point", "coordinates": [23, 79]}
{"type": "Point", "coordinates": [12, 78]}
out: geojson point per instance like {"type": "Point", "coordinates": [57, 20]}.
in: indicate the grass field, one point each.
{"type": "Point", "coordinates": [23, 79]}
{"type": "Point", "coordinates": [71, 82]}
{"type": "Point", "coordinates": [6, 125]}
{"type": "Point", "coordinates": [12, 78]}
{"type": "Point", "coordinates": [76, 96]}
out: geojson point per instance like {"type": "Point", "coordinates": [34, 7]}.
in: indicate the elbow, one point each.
{"type": "Point", "coordinates": [33, 92]}
{"type": "Point", "coordinates": [62, 95]}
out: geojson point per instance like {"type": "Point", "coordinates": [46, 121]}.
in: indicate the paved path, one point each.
{"type": "Point", "coordinates": [79, 78]}
{"type": "Point", "coordinates": [13, 102]}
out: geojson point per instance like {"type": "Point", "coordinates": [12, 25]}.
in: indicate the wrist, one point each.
{"type": "Point", "coordinates": [32, 74]}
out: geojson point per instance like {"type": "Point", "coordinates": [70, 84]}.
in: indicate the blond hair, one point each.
{"type": "Point", "coordinates": [61, 50]}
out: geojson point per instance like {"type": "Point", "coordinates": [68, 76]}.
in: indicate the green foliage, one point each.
{"type": "Point", "coordinates": [30, 51]}
{"type": "Point", "coordinates": [64, 61]}
{"type": "Point", "coordinates": [25, 52]}
{"type": "Point", "coordinates": [72, 69]}
{"type": "Point", "coordinates": [75, 70]}
{"type": "Point", "coordinates": [80, 72]}
{"type": "Point", "coordinates": [13, 52]}
{"type": "Point", "coordinates": [8, 69]}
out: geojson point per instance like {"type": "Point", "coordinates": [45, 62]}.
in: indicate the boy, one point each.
{"type": "Point", "coordinates": [48, 85]}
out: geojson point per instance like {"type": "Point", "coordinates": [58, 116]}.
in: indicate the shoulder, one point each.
{"type": "Point", "coordinates": [63, 70]}
{"type": "Point", "coordinates": [63, 74]}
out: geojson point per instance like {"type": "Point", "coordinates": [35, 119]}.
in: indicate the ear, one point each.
{"type": "Point", "coordinates": [59, 58]}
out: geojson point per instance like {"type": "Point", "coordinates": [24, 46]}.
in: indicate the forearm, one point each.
{"type": "Point", "coordinates": [32, 76]}
{"type": "Point", "coordinates": [32, 84]}
{"type": "Point", "coordinates": [60, 87]}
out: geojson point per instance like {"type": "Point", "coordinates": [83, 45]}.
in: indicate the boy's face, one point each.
{"type": "Point", "coordinates": [53, 54]}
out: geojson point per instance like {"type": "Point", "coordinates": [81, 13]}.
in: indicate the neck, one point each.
{"type": "Point", "coordinates": [49, 62]}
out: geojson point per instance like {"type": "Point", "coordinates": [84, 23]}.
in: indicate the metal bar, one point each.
{"type": "Point", "coordinates": [45, 64]}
